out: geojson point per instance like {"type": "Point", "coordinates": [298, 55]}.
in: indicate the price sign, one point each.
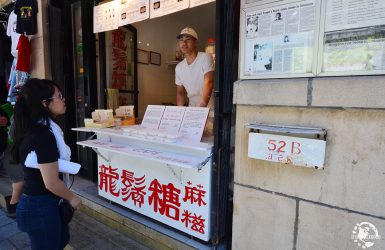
{"type": "Point", "coordinates": [288, 150]}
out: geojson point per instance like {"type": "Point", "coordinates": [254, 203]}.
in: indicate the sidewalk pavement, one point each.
{"type": "Point", "coordinates": [86, 233]}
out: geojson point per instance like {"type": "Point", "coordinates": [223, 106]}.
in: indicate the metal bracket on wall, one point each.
{"type": "Point", "coordinates": [100, 154]}
{"type": "Point", "coordinates": [178, 177]}
{"type": "Point", "coordinates": [91, 137]}
{"type": "Point", "coordinates": [203, 163]}
{"type": "Point", "coordinates": [306, 132]}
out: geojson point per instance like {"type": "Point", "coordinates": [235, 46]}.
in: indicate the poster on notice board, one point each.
{"type": "Point", "coordinates": [279, 39]}
{"type": "Point", "coordinates": [354, 40]}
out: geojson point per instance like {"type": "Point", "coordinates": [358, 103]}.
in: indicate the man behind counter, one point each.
{"type": "Point", "coordinates": [195, 74]}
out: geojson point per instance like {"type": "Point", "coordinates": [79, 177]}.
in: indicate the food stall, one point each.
{"type": "Point", "coordinates": [164, 174]}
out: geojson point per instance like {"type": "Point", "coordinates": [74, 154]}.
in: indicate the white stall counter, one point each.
{"type": "Point", "coordinates": [167, 181]}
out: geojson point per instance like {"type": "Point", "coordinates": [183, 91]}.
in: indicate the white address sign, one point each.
{"type": "Point", "coordinates": [288, 150]}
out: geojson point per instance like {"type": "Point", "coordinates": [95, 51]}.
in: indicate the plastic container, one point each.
{"type": "Point", "coordinates": [210, 47]}
{"type": "Point", "coordinates": [178, 53]}
{"type": "Point", "coordinates": [118, 122]}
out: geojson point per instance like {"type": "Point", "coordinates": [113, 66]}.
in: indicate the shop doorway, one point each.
{"type": "Point", "coordinates": [226, 26]}
{"type": "Point", "coordinates": [72, 55]}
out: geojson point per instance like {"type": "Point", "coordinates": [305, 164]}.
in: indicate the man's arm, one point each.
{"type": "Point", "coordinates": [180, 95]}
{"type": "Point", "coordinates": [207, 89]}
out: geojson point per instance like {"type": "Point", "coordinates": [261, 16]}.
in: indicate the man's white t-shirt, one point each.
{"type": "Point", "coordinates": [191, 77]}
{"type": "Point", "coordinates": [11, 31]}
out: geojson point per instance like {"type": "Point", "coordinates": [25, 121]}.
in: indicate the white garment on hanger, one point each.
{"type": "Point", "coordinates": [11, 32]}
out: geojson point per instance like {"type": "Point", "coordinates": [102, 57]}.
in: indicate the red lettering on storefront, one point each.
{"type": "Point", "coordinates": [186, 218]}
{"type": "Point", "coordinates": [107, 179]}
{"type": "Point", "coordinates": [133, 188]}
{"type": "Point", "coordinates": [196, 222]}
{"type": "Point", "coordinates": [119, 60]}
{"type": "Point", "coordinates": [118, 39]}
{"type": "Point", "coordinates": [164, 198]}
{"type": "Point", "coordinates": [194, 194]}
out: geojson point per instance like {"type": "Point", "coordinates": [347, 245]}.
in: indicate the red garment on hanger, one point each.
{"type": "Point", "coordinates": [24, 54]}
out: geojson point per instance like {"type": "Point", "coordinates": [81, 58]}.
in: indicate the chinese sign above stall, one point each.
{"type": "Point", "coordinates": [106, 16]}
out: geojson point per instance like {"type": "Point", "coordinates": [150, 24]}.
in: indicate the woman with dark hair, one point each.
{"type": "Point", "coordinates": [37, 212]}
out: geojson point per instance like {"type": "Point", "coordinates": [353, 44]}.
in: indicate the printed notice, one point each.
{"type": "Point", "coordinates": [134, 11]}
{"type": "Point", "coordinates": [351, 14]}
{"type": "Point", "coordinates": [194, 3]}
{"type": "Point", "coordinates": [358, 55]}
{"type": "Point", "coordinates": [164, 7]}
{"type": "Point", "coordinates": [152, 117]}
{"type": "Point", "coordinates": [106, 16]}
{"type": "Point", "coordinates": [172, 118]}
{"type": "Point", "coordinates": [193, 123]}
{"type": "Point", "coordinates": [280, 39]}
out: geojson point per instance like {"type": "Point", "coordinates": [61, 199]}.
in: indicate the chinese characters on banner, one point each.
{"type": "Point", "coordinates": [279, 39]}
{"type": "Point", "coordinates": [119, 59]}
{"type": "Point", "coordinates": [119, 70]}
{"type": "Point", "coordinates": [179, 204]}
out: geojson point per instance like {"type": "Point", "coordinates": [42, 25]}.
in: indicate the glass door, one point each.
{"type": "Point", "coordinates": [81, 92]}
{"type": "Point", "coordinates": [85, 96]}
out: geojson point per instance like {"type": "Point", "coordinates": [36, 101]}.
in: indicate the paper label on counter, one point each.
{"type": "Point", "coordinates": [172, 118]}
{"type": "Point", "coordinates": [153, 116]}
{"type": "Point", "coordinates": [193, 123]}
